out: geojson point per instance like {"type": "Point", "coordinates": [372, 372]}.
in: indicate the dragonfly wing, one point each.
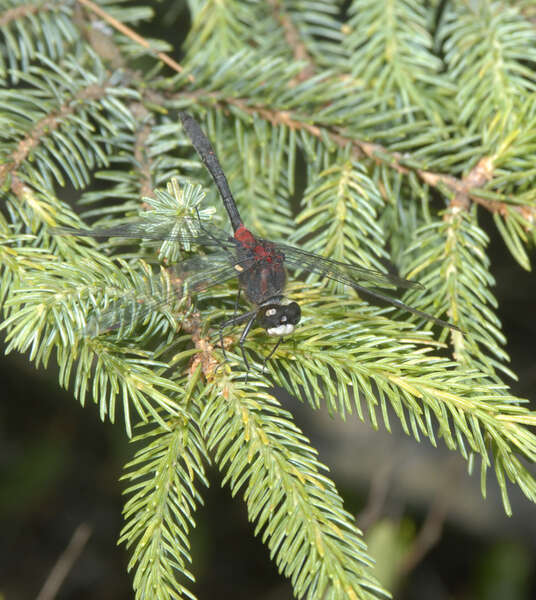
{"type": "Point", "coordinates": [184, 230]}
{"type": "Point", "coordinates": [350, 274]}
{"type": "Point", "coordinates": [202, 272]}
{"type": "Point", "coordinates": [154, 294]}
{"type": "Point", "coordinates": [160, 292]}
{"type": "Point", "coordinates": [338, 271]}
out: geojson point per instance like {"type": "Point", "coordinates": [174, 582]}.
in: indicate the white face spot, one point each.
{"type": "Point", "coordinates": [270, 312]}
{"type": "Point", "coordinates": [280, 330]}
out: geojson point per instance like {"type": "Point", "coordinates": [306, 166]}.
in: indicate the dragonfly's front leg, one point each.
{"type": "Point", "coordinates": [243, 337]}
{"type": "Point", "coordinates": [272, 351]}
{"type": "Point", "coordinates": [250, 318]}
{"type": "Point", "coordinates": [236, 302]}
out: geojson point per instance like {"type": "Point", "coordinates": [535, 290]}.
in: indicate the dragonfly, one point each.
{"type": "Point", "coordinates": [259, 264]}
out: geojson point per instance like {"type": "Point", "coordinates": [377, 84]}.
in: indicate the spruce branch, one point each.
{"type": "Point", "coordinates": [141, 156]}
{"type": "Point", "coordinates": [460, 190]}
{"type": "Point", "coordinates": [371, 360]}
{"type": "Point", "coordinates": [453, 251]}
{"type": "Point", "coordinates": [48, 124]}
{"type": "Point", "coordinates": [293, 40]}
{"type": "Point", "coordinates": [136, 38]}
{"type": "Point", "coordinates": [164, 477]}
{"type": "Point", "coordinates": [389, 120]}
{"type": "Point", "coordinates": [47, 315]}
{"type": "Point", "coordinates": [391, 49]}
{"type": "Point", "coordinates": [490, 53]}
{"type": "Point", "coordinates": [298, 510]}
{"type": "Point", "coordinates": [31, 29]}
{"type": "Point", "coordinates": [378, 153]}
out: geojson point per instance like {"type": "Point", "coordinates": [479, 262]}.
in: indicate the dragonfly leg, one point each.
{"type": "Point", "coordinates": [236, 302]}
{"type": "Point", "coordinates": [243, 337]}
{"type": "Point", "coordinates": [250, 318]}
{"type": "Point", "coordinates": [222, 344]}
{"type": "Point", "coordinates": [226, 323]}
{"type": "Point", "coordinates": [272, 351]}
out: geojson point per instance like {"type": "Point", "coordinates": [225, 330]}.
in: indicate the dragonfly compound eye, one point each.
{"type": "Point", "coordinates": [293, 312]}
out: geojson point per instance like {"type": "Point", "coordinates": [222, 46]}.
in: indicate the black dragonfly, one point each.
{"type": "Point", "coordinates": [259, 264]}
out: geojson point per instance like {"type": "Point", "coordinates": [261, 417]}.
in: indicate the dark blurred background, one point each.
{"type": "Point", "coordinates": [433, 535]}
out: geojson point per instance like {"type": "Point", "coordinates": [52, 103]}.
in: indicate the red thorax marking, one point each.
{"type": "Point", "coordinates": [246, 238]}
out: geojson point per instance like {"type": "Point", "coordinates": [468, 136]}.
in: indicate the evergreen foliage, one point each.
{"type": "Point", "coordinates": [394, 124]}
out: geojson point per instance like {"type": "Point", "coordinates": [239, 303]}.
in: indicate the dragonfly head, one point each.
{"type": "Point", "coordinates": [279, 318]}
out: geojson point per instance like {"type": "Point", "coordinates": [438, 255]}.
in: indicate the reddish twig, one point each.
{"type": "Point", "coordinates": [430, 532]}
{"type": "Point", "coordinates": [205, 357]}
{"type": "Point", "coordinates": [299, 50]}
{"type": "Point", "coordinates": [379, 489]}
{"type": "Point", "coordinates": [21, 11]}
{"type": "Point", "coordinates": [135, 37]}
{"type": "Point", "coordinates": [45, 126]}
{"type": "Point", "coordinates": [463, 190]}
{"type": "Point", "coordinates": [65, 562]}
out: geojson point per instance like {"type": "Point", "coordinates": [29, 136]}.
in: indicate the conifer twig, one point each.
{"type": "Point", "coordinates": [479, 175]}
{"type": "Point", "coordinates": [430, 532]}
{"type": "Point", "coordinates": [140, 151]}
{"type": "Point", "coordinates": [65, 562]}
{"type": "Point", "coordinates": [461, 187]}
{"type": "Point", "coordinates": [299, 50]}
{"type": "Point", "coordinates": [125, 30]}
{"type": "Point", "coordinates": [47, 124]}
{"type": "Point", "coordinates": [13, 14]}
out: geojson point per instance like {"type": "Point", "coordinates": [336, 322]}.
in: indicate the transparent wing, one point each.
{"type": "Point", "coordinates": [184, 230]}
{"type": "Point", "coordinates": [338, 271]}
{"type": "Point", "coordinates": [160, 292]}
{"type": "Point", "coordinates": [351, 275]}
{"type": "Point", "coordinates": [202, 272]}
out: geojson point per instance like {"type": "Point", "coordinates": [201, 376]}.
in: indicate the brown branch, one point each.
{"type": "Point", "coordinates": [193, 325]}
{"type": "Point", "coordinates": [476, 178]}
{"type": "Point", "coordinates": [53, 121]}
{"type": "Point", "coordinates": [21, 11]}
{"type": "Point", "coordinates": [299, 50]}
{"type": "Point", "coordinates": [379, 490]}
{"type": "Point", "coordinates": [463, 189]}
{"type": "Point", "coordinates": [135, 37]}
{"type": "Point", "coordinates": [107, 49]}
{"type": "Point", "coordinates": [205, 357]}
{"type": "Point", "coordinates": [430, 532]}
{"type": "Point", "coordinates": [45, 125]}
{"type": "Point", "coordinates": [460, 187]}
{"type": "Point", "coordinates": [65, 562]}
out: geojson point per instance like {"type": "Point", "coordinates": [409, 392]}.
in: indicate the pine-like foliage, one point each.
{"type": "Point", "coordinates": [349, 128]}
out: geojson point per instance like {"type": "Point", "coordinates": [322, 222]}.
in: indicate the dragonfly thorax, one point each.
{"type": "Point", "coordinates": [279, 317]}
